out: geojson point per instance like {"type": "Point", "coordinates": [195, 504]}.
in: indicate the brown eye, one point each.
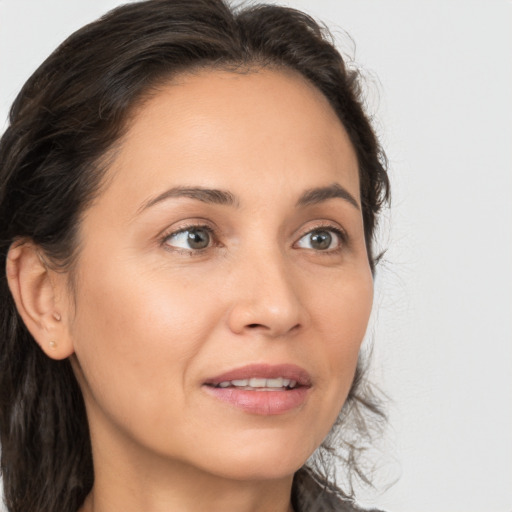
{"type": "Point", "coordinates": [195, 238]}
{"type": "Point", "coordinates": [321, 240]}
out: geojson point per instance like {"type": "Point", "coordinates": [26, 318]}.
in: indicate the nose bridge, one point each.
{"type": "Point", "coordinates": [267, 295]}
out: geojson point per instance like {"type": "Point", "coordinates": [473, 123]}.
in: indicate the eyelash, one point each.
{"type": "Point", "coordinates": [190, 227]}
{"type": "Point", "coordinates": [340, 234]}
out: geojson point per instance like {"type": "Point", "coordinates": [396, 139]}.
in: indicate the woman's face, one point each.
{"type": "Point", "coordinates": [227, 245]}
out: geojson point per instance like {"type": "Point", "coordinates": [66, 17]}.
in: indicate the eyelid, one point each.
{"type": "Point", "coordinates": [175, 230]}
{"type": "Point", "coordinates": [213, 232]}
{"type": "Point", "coordinates": [327, 226]}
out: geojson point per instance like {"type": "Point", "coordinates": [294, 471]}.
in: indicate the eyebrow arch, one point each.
{"type": "Point", "coordinates": [223, 197]}
{"type": "Point", "coordinates": [320, 194]}
{"type": "Point", "coordinates": [206, 195]}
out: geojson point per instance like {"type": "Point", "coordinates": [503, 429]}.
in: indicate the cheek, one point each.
{"type": "Point", "coordinates": [134, 333]}
{"type": "Point", "coordinates": [342, 307]}
{"type": "Point", "coordinates": [342, 315]}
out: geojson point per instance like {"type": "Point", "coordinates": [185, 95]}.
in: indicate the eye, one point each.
{"type": "Point", "coordinates": [321, 239]}
{"type": "Point", "coordinates": [193, 238]}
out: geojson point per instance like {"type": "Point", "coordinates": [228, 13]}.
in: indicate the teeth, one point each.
{"type": "Point", "coordinates": [258, 383]}
{"type": "Point", "coordinates": [262, 384]}
{"type": "Point", "coordinates": [275, 383]}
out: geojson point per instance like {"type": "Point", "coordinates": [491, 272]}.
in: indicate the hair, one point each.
{"type": "Point", "coordinates": [64, 123]}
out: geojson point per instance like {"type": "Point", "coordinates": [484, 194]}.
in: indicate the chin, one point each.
{"type": "Point", "coordinates": [259, 470]}
{"type": "Point", "coordinates": [261, 459]}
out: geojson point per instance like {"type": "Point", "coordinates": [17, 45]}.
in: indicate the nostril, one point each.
{"type": "Point", "coordinates": [254, 326]}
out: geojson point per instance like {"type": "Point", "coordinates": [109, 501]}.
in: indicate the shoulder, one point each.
{"type": "Point", "coordinates": [311, 495]}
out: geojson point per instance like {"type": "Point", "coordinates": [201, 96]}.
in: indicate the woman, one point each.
{"type": "Point", "coordinates": [189, 197]}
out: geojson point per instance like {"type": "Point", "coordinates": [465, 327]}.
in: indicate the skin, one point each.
{"type": "Point", "coordinates": [150, 319]}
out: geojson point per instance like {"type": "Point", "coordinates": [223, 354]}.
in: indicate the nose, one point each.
{"type": "Point", "coordinates": [266, 297]}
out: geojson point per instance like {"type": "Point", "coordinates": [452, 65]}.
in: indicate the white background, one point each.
{"type": "Point", "coordinates": [440, 81]}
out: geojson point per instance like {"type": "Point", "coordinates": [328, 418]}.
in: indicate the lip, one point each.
{"type": "Point", "coordinates": [264, 371]}
{"type": "Point", "coordinates": [264, 403]}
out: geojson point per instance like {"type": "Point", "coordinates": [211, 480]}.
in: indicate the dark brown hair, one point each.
{"type": "Point", "coordinates": [66, 119]}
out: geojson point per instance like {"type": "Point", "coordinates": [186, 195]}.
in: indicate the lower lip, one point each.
{"type": "Point", "coordinates": [265, 403]}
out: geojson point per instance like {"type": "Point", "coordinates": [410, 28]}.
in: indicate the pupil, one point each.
{"type": "Point", "coordinates": [198, 239]}
{"type": "Point", "coordinates": [321, 240]}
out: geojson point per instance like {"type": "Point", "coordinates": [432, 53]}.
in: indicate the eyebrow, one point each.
{"type": "Point", "coordinates": [206, 195]}
{"type": "Point", "coordinates": [320, 194]}
{"type": "Point", "coordinates": [311, 196]}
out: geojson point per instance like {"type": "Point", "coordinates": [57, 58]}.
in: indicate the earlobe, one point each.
{"type": "Point", "coordinates": [36, 292]}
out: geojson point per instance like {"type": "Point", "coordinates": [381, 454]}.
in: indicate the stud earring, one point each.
{"type": "Point", "coordinates": [53, 344]}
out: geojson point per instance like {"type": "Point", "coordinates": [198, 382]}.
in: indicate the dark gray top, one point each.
{"type": "Point", "coordinates": [309, 495]}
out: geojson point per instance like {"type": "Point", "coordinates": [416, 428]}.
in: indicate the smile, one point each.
{"type": "Point", "coordinates": [257, 384]}
{"type": "Point", "coordinates": [266, 390]}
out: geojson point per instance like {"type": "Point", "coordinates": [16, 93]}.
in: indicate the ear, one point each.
{"type": "Point", "coordinates": [41, 298]}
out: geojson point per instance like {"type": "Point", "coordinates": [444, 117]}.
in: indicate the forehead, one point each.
{"type": "Point", "coordinates": [259, 129]}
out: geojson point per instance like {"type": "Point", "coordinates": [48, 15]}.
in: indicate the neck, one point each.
{"type": "Point", "coordinates": [188, 492]}
{"type": "Point", "coordinates": [191, 497]}
{"type": "Point", "coordinates": [132, 481]}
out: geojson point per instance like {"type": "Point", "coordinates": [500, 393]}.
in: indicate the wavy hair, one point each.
{"type": "Point", "coordinates": [62, 126]}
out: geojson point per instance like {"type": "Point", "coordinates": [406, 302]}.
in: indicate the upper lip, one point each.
{"type": "Point", "coordinates": [264, 371]}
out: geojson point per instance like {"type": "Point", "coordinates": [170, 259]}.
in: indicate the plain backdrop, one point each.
{"type": "Point", "coordinates": [439, 85]}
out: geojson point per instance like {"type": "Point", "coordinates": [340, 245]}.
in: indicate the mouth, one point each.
{"type": "Point", "coordinates": [261, 389]}
{"type": "Point", "coordinates": [259, 384]}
